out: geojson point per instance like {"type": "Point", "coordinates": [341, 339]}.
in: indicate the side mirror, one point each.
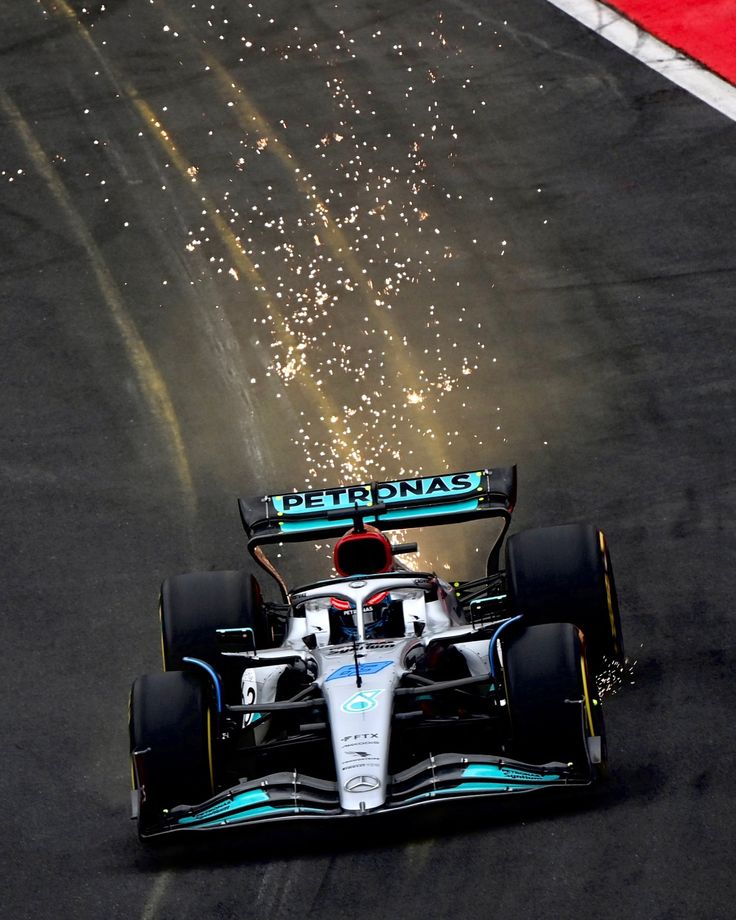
{"type": "Point", "coordinates": [240, 639]}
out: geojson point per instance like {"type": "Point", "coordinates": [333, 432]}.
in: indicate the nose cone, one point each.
{"type": "Point", "coordinates": [360, 722]}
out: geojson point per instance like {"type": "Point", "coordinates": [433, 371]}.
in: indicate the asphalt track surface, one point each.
{"type": "Point", "coordinates": [559, 224]}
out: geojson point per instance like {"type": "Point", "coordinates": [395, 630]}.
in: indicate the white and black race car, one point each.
{"type": "Point", "coordinates": [382, 688]}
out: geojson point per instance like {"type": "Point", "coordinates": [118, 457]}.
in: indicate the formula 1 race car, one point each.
{"type": "Point", "coordinates": [382, 688]}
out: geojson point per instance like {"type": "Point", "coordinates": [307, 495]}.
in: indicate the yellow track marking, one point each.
{"type": "Point", "coordinates": [149, 377]}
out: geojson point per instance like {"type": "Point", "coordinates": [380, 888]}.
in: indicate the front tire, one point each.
{"type": "Point", "coordinates": [171, 734]}
{"type": "Point", "coordinates": [551, 701]}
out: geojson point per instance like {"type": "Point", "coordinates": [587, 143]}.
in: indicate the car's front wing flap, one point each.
{"type": "Point", "coordinates": [289, 796]}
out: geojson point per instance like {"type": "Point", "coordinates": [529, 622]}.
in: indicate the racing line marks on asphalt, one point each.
{"type": "Point", "coordinates": [150, 380]}
{"type": "Point", "coordinates": [672, 64]}
{"type": "Point", "coordinates": [228, 238]}
{"type": "Point", "coordinates": [226, 345]}
{"type": "Point", "coordinates": [321, 400]}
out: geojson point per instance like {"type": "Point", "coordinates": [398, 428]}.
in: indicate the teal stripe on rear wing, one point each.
{"type": "Point", "coordinates": [417, 502]}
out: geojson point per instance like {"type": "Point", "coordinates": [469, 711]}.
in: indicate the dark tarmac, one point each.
{"type": "Point", "coordinates": [257, 246]}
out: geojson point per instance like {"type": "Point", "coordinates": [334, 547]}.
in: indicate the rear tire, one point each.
{"type": "Point", "coordinates": [196, 604]}
{"type": "Point", "coordinates": [550, 698]}
{"type": "Point", "coordinates": [171, 725]}
{"type": "Point", "coordinates": [563, 574]}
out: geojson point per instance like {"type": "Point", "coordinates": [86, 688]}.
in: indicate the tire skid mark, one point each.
{"type": "Point", "coordinates": [418, 855]}
{"type": "Point", "coordinates": [150, 908]}
{"type": "Point", "coordinates": [150, 380]}
{"type": "Point", "coordinates": [270, 882]}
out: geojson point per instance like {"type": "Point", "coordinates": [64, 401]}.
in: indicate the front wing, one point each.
{"type": "Point", "coordinates": [289, 796]}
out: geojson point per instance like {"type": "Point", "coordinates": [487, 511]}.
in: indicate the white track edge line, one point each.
{"type": "Point", "coordinates": [674, 65]}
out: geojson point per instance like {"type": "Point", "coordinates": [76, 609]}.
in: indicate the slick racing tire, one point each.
{"type": "Point", "coordinates": [563, 574]}
{"type": "Point", "coordinates": [551, 700]}
{"type": "Point", "coordinates": [171, 729]}
{"type": "Point", "coordinates": [195, 605]}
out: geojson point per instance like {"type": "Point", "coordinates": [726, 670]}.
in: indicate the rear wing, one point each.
{"type": "Point", "coordinates": [450, 498]}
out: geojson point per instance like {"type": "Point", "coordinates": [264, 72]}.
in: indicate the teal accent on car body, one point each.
{"type": "Point", "coordinates": [343, 523]}
{"type": "Point", "coordinates": [504, 772]}
{"type": "Point", "coordinates": [499, 778]}
{"type": "Point", "coordinates": [242, 800]}
{"type": "Point", "coordinates": [491, 779]}
{"type": "Point", "coordinates": [242, 817]}
{"type": "Point", "coordinates": [497, 787]}
{"type": "Point", "coordinates": [400, 491]}
{"type": "Point", "coordinates": [489, 788]}
{"type": "Point", "coordinates": [362, 701]}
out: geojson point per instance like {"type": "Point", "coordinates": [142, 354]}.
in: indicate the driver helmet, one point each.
{"type": "Point", "coordinates": [375, 615]}
{"type": "Point", "coordinates": [376, 624]}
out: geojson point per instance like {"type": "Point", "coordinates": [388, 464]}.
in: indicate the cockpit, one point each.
{"type": "Point", "coordinates": [389, 605]}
